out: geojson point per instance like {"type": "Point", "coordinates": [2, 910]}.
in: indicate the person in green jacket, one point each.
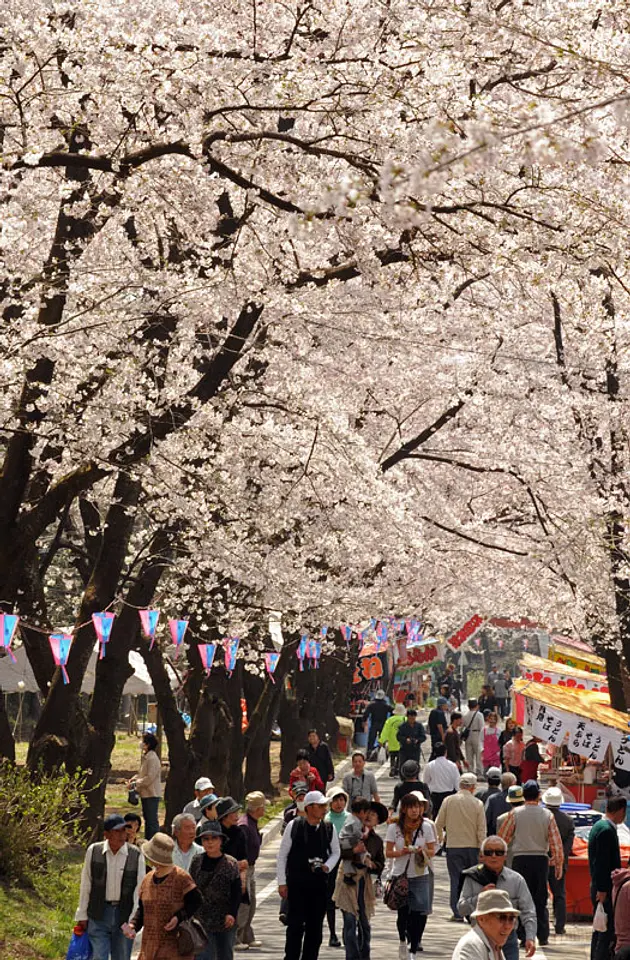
{"type": "Point", "coordinates": [388, 736]}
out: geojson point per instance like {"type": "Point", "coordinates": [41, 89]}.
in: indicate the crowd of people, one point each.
{"type": "Point", "coordinates": [476, 801]}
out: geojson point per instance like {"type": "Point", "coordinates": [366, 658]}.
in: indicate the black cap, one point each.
{"type": "Point", "coordinates": [114, 822]}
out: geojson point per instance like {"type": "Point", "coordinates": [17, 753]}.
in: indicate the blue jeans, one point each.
{"type": "Point", "coordinates": [356, 930]}
{"type": "Point", "coordinates": [106, 937]}
{"type": "Point", "coordinates": [510, 948]}
{"type": "Point", "coordinates": [220, 946]}
{"type": "Point", "coordinates": [150, 813]}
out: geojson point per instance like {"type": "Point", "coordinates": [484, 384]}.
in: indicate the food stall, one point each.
{"type": "Point", "coordinates": [586, 740]}
{"type": "Point", "coordinates": [574, 653]}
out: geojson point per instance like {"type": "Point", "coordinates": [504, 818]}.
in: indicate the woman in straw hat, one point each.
{"type": "Point", "coordinates": [168, 896]}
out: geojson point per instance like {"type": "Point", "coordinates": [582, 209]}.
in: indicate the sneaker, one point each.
{"type": "Point", "coordinates": [402, 951]}
{"type": "Point", "coordinates": [241, 946]}
{"type": "Point", "coordinates": [256, 943]}
{"type": "Point", "coordinates": [455, 919]}
{"type": "Point", "coordinates": [334, 941]}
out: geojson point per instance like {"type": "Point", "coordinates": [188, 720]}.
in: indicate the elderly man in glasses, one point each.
{"type": "Point", "coordinates": [492, 874]}
{"type": "Point", "coordinates": [495, 918]}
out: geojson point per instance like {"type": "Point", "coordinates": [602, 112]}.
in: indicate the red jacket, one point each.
{"type": "Point", "coordinates": [312, 778]}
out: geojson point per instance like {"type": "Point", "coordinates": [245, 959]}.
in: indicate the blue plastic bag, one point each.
{"type": "Point", "coordinates": [80, 948]}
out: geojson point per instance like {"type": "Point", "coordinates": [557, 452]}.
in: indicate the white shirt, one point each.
{"type": "Point", "coordinates": [441, 775]}
{"type": "Point", "coordinates": [473, 721]}
{"type": "Point", "coordinates": [115, 863]}
{"type": "Point", "coordinates": [285, 847]}
{"type": "Point", "coordinates": [426, 834]}
{"type": "Point", "coordinates": [183, 860]}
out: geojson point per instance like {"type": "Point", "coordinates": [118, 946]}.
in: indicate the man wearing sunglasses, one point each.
{"type": "Point", "coordinates": [494, 918]}
{"type": "Point", "coordinates": [492, 874]}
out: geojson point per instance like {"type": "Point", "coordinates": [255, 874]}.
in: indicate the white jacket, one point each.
{"type": "Point", "coordinates": [475, 946]}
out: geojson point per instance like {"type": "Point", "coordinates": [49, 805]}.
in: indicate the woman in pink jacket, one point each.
{"type": "Point", "coordinates": [491, 754]}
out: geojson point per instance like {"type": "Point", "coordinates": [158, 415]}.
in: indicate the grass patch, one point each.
{"type": "Point", "coordinates": [37, 924]}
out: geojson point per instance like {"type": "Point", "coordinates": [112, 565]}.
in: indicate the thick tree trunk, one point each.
{"type": "Point", "coordinates": [233, 692]}
{"type": "Point", "coordinates": [7, 743]}
{"type": "Point", "coordinates": [55, 734]}
{"type": "Point", "coordinates": [258, 738]}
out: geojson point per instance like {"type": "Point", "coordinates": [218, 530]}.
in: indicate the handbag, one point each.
{"type": "Point", "coordinates": [396, 890]}
{"type": "Point", "coordinates": [191, 937]}
{"type": "Point", "coordinates": [132, 797]}
{"type": "Point", "coordinates": [465, 732]}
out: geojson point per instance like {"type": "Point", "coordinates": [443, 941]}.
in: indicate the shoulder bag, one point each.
{"type": "Point", "coordinates": [191, 937]}
{"type": "Point", "coordinates": [465, 732]}
{"type": "Point", "coordinates": [396, 890]}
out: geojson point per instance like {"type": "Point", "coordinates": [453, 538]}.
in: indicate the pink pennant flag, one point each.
{"type": "Point", "coordinates": [149, 620]}
{"type": "Point", "coordinates": [207, 652]}
{"type": "Point", "coordinates": [525, 643]}
{"type": "Point", "coordinates": [500, 644]}
{"type": "Point", "coordinates": [231, 648]}
{"type": "Point", "coordinates": [178, 630]}
{"type": "Point", "coordinates": [271, 662]}
{"type": "Point", "coordinates": [302, 650]}
{"type": "Point", "coordinates": [8, 627]}
{"type": "Point", "coordinates": [103, 623]}
{"type": "Point", "coordinates": [60, 644]}
{"type": "Point", "coordinates": [346, 633]}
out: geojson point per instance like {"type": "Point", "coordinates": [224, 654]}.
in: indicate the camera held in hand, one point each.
{"type": "Point", "coordinates": [316, 863]}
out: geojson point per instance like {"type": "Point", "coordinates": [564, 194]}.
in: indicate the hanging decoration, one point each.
{"type": "Point", "coordinates": [60, 644]}
{"type": "Point", "coordinates": [178, 630]}
{"type": "Point", "coordinates": [467, 632]}
{"type": "Point", "coordinates": [346, 633]}
{"type": "Point", "coordinates": [149, 620]}
{"type": "Point", "coordinates": [207, 652]}
{"type": "Point", "coordinates": [314, 652]}
{"type": "Point", "coordinates": [302, 650]}
{"type": "Point", "coordinates": [271, 662]}
{"type": "Point", "coordinates": [231, 648]}
{"type": "Point", "coordinates": [103, 623]}
{"type": "Point", "coordinates": [8, 627]}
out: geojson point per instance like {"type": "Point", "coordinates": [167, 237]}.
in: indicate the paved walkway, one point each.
{"type": "Point", "coordinates": [439, 939]}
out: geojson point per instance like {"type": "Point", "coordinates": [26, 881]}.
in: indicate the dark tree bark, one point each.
{"type": "Point", "coordinates": [7, 743]}
{"type": "Point", "coordinates": [61, 718]}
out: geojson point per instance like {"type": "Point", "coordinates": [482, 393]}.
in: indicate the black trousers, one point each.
{"type": "Point", "coordinates": [559, 893]}
{"type": "Point", "coordinates": [602, 942]}
{"type": "Point", "coordinates": [535, 870]}
{"type": "Point", "coordinates": [307, 909]}
{"type": "Point", "coordinates": [437, 799]}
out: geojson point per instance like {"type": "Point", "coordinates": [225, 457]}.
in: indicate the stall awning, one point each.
{"type": "Point", "coordinates": [584, 718]}
{"type": "Point", "coordinates": [571, 656]}
{"type": "Point", "coordinates": [551, 672]}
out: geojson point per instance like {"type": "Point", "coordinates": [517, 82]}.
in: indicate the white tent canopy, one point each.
{"type": "Point", "coordinates": [11, 674]}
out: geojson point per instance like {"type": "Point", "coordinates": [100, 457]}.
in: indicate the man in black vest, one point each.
{"type": "Point", "coordinates": [308, 852]}
{"type": "Point", "coordinates": [110, 882]}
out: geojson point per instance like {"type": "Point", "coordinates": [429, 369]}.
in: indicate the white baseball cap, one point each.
{"type": "Point", "coordinates": [315, 796]}
{"type": "Point", "coordinates": [204, 783]}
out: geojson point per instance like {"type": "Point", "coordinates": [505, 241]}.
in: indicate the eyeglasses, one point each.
{"type": "Point", "coordinates": [494, 853]}
{"type": "Point", "coordinates": [505, 918]}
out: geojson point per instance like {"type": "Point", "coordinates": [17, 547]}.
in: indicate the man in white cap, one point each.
{"type": "Point", "coordinates": [495, 917]}
{"type": "Point", "coordinates": [203, 786]}
{"type": "Point", "coordinates": [309, 850]}
{"type": "Point", "coordinates": [553, 798]}
{"type": "Point", "coordinates": [462, 819]}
